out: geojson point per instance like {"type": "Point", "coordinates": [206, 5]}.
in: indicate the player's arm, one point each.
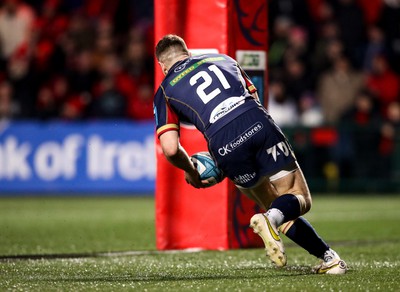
{"type": "Point", "coordinates": [178, 157]}
{"type": "Point", "coordinates": [167, 124]}
{"type": "Point", "coordinates": [168, 133]}
{"type": "Point", "coordinates": [174, 152]}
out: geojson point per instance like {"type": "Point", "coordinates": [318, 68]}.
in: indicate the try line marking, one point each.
{"type": "Point", "coordinates": [97, 254]}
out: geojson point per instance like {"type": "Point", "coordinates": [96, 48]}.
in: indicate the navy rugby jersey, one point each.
{"type": "Point", "coordinates": [206, 90]}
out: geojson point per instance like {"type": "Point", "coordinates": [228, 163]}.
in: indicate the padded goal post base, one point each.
{"type": "Point", "coordinates": [216, 217]}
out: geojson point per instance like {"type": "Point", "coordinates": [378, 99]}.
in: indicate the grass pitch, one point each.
{"type": "Point", "coordinates": [108, 244]}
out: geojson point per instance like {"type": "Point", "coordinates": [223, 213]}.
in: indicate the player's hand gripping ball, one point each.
{"type": "Point", "coordinates": [207, 168]}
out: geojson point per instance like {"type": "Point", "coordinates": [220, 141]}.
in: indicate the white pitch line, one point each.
{"type": "Point", "coordinates": [148, 252]}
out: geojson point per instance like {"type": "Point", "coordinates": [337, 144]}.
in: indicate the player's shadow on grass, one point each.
{"type": "Point", "coordinates": [154, 278]}
{"type": "Point", "coordinates": [233, 274]}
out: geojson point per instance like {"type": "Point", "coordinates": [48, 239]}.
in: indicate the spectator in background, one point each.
{"type": "Point", "coordinates": [50, 27]}
{"type": "Point", "coordinates": [389, 22]}
{"type": "Point", "coordinates": [141, 106]}
{"type": "Point", "coordinates": [389, 147]}
{"type": "Point", "coordinates": [297, 46]}
{"type": "Point", "coordinates": [337, 89]}
{"type": "Point", "coordinates": [24, 83]}
{"type": "Point", "coordinates": [120, 14]}
{"type": "Point", "coordinates": [7, 108]}
{"type": "Point", "coordinates": [310, 111]}
{"type": "Point", "coordinates": [383, 82]}
{"type": "Point", "coordinates": [375, 46]}
{"type": "Point", "coordinates": [296, 10]}
{"type": "Point", "coordinates": [51, 97]}
{"type": "Point", "coordinates": [139, 67]}
{"type": "Point", "coordinates": [328, 47]}
{"type": "Point", "coordinates": [108, 102]}
{"type": "Point", "coordinates": [296, 79]}
{"type": "Point", "coordinates": [137, 60]}
{"type": "Point", "coordinates": [108, 99]}
{"type": "Point", "coordinates": [80, 33]}
{"type": "Point", "coordinates": [278, 42]}
{"type": "Point", "coordinates": [75, 107]}
{"type": "Point", "coordinates": [104, 43]}
{"type": "Point", "coordinates": [81, 75]}
{"type": "Point", "coordinates": [360, 137]}
{"type": "Point", "coordinates": [95, 8]}
{"type": "Point", "coordinates": [350, 19]}
{"type": "Point", "coordinates": [46, 106]}
{"type": "Point", "coordinates": [371, 10]}
{"type": "Point", "coordinates": [16, 25]}
{"type": "Point", "coordinates": [81, 72]}
{"type": "Point", "coordinates": [281, 107]}
{"type": "Point", "coordinates": [322, 11]}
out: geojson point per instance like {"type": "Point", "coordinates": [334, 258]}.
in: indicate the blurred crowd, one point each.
{"type": "Point", "coordinates": [336, 63]}
{"type": "Point", "coordinates": [329, 57]}
{"type": "Point", "coordinates": [329, 61]}
{"type": "Point", "coordinates": [76, 59]}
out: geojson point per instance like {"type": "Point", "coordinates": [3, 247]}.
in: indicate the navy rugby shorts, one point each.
{"type": "Point", "coordinates": [251, 146]}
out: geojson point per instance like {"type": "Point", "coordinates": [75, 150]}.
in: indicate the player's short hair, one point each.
{"type": "Point", "coordinates": [170, 43]}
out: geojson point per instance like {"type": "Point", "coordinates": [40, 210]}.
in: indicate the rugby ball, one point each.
{"type": "Point", "coordinates": [207, 168]}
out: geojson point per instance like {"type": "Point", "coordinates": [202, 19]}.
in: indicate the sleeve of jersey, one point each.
{"type": "Point", "coordinates": [166, 118]}
{"type": "Point", "coordinates": [250, 86]}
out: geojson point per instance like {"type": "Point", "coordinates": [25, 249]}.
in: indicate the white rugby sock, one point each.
{"type": "Point", "coordinates": [275, 216]}
{"type": "Point", "coordinates": [330, 255]}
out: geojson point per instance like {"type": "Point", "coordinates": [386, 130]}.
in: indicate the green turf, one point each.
{"type": "Point", "coordinates": [364, 230]}
{"type": "Point", "coordinates": [75, 225]}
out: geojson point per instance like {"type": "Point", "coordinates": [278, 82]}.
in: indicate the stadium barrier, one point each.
{"type": "Point", "coordinates": [77, 157]}
{"type": "Point", "coordinates": [347, 159]}
{"type": "Point", "coordinates": [119, 157]}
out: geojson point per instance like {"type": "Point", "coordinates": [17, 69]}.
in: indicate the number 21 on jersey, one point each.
{"type": "Point", "coordinates": [207, 80]}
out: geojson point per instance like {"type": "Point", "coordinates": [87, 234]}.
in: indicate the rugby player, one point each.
{"type": "Point", "coordinates": [213, 93]}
